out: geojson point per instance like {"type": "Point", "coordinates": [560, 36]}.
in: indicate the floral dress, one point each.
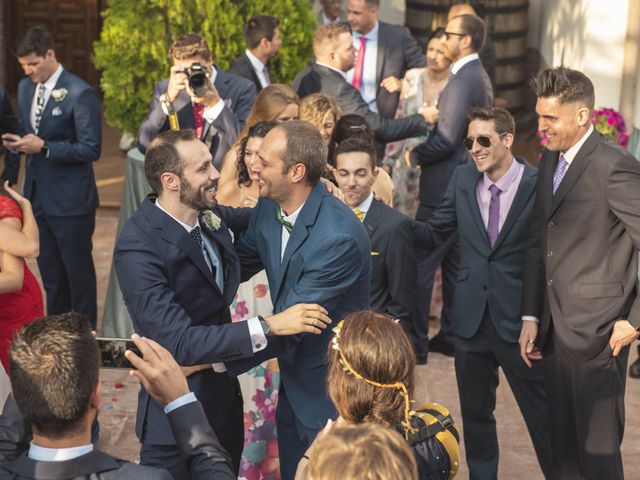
{"type": "Point", "coordinates": [259, 389]}
{"type": "Point", "coordinates": [406, 177]}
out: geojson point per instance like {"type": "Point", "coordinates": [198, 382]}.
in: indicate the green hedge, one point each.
{"type": "Point", "coordinates": [136, 35]}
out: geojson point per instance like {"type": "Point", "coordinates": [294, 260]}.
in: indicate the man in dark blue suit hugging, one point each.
{"type": "Point", "coordinates": [178, 272]}
{"type": "Point", "coordinates": [314, 250]}
{"type": "Point", "coordinates": [490, 204]}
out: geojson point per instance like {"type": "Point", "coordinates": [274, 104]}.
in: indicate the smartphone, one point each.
{"type": "Point", "coordinates": [112, 352]}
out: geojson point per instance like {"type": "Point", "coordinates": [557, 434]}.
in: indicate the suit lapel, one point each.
{"type": "Point", "coordinates": [469, 188]}
{"type": "Point", "coordinates": [25, 106]}
{"type": "Point", "coordinates": [580, 162]}
{"type": "Point", "coordinates": [525, 190]}
{"type": "Point", "coordinates": [373, 218]}
{"type": "Point", "coordinates": [254, 75]}
{"type": "Point", "coordinates": [46, 113]}
{"type": "Point", "coordinates": [382, 54]}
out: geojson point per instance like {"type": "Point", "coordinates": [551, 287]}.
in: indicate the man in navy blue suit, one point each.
{"type": "Point", "coordinates": [178, 272]}
{"type": "Point", "coordinates": [61, 119]}
{"type": "Point", "coordinates": [314, 250]}
{"type": "Point", "coordinates": [490, 204]}
{"type": "Point", "coordinates": [217, 116]}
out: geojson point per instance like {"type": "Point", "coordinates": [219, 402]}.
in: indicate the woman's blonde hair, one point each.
{"type": "Point", "coordinates": [270, 103]}
{"type": "Point", "coordinates": [315, 107]}
{"type": "Point", "coordinates": [361, 452]}
{"type": "Point", "coordinates": [371, 364]}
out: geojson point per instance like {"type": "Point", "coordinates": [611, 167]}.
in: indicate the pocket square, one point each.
{"type": "Point", "coordinates": [56, 112]}
{"type": "Point", "coordinates": [374, 254]}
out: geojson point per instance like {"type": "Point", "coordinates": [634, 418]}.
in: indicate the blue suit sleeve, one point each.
{"type": "Point", "coordinates": [143, 279]}
{"type": "Point", "coordinates": [247, 250]}
{"type": "Point", "coordinates": [86, 144]}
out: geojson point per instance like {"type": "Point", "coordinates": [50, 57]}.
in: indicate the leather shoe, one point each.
{"type": "Point", "coordinates": [634, 369]}
{"type": "Point", "coordinates": [439, 345]}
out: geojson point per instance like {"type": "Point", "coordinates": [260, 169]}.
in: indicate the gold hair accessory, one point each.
{"type": "Point", "coordinates": [400, 386]}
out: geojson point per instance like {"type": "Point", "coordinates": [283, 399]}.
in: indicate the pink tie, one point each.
{"type": "Point", "coordinates": [359, 66]}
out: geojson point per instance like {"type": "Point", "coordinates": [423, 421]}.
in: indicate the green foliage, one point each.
{"type": "Point", "coordinates": [136, 36]}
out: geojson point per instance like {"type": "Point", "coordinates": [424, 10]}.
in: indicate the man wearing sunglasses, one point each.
{"type": "Point", "coordinates": [469, 86]}
{"type": "Point", "coordinates": [490, 204]}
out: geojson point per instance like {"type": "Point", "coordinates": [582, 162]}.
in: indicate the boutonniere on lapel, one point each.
{"type": "Point", "coordinates": [59, 94]}
{"type": "Point", "coordinates": [211, 220]}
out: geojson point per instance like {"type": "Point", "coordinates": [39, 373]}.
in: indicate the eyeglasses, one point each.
{"type": "Point", "coordinates": [447, 34]}
{"type": "Point", "coordinates": [483, 141]}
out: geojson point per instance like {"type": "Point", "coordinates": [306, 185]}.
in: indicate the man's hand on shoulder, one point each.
{"type": "Point", "coordinates": [623, 334]}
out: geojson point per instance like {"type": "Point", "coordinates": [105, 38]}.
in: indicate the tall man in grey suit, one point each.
{"type": "Point", "coordinates": [216, 115]}
{"type": "Point", "coordinates": [438, 157]}
{"type": "Point", "coordinates": [314, 250]}
{"type": "Point", "coordinates": [580, 304]}
{"type": "Point", "coordinates": [490, 204]}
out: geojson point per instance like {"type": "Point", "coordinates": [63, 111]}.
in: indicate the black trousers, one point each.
{"type": "Point", "coordinates": [586, 402]}
{"type": "Point", "coordinates": [446, 256]}
{"type": "Point", "coordinates": [477, 360]}
{"type": "Point", "coordinates": [65, 262]}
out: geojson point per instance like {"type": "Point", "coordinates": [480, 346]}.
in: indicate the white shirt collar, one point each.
{"type": "Point", "coordinates": [256, 63]}
{"type": "Point", "coordinates": [50, 83]}
{"type": "Point", "coordinates": [461, 62]}
{"type": "Point", "coordinates": [188, 228]}
{"type": "Point", "coordinates": [371, 36]}
{"type": "Point", "coordinates": [293, 217]}
{"type": "Point", "coordinates": [366, 205]}
{"type": "Point", "coordinates": [43, 454]}
{"type": "Point", "coordinates": [570, 154]}
{"type": "Point", "coordinates": [342, 74]}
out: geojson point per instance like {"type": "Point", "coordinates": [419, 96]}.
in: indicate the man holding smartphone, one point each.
{"type": "Point", "coordinates": [61, 118]}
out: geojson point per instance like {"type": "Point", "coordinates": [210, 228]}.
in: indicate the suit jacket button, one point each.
{"type": "Point", "coordinates": [549, 253]}
{"type": "Point", "coordinates": [258, 345]}
{"type": "Point", "coordinates": [551, 224]}
{"type": "Point", "coordinates": [549, 282]}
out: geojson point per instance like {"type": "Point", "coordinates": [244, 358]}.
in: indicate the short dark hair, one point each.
{"type": "Point", "coordinates": [259, 27]}
{"type": "Point", "coordinates": [189, 45]}
{"type": "Point", "coordinates": [439, 32]}
{"type": "Point", "coordinates": [304, 145]}
{"type": "Point", "coordinates": [473, 26]}
{"type": "Point", "coordinates": [259, 130]}
{"type": "Point", "coordinates": [566, 84]}
{"type": "Point", "coordinates": [37, 39]}
{"type": "Point", "coordinates": [372, 3]}
{"type": "Point", "coordinates": [356, 144]}
{"type": "Point", "coordinates": [502, 119]}
{"type": "Point", "coordinates": [163, 156]}
{"type": "Point", "coordinates": [53, 366]}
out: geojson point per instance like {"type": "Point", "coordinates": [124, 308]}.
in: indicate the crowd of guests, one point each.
{"type": "Point", "coordinates": [343, 193]}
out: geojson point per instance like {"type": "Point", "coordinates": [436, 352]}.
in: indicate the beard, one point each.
{"type": "Point", "coordinates": [196, 198]}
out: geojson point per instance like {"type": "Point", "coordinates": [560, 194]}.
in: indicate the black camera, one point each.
{"type": "Point", "coordinates": [198, 79]}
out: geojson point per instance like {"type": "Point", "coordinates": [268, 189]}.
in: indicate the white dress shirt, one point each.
{"type": "Point", "coordinates": [44, 454]}
{"type": "Point", "coordinates": [49, 86]}
{"type": "Point", "coordinates": [369, 82]}
{"type": "Point", "coordinates": [258, 67]}
{"type": "Point", "coordinates": [365, 206]}
{"type": "Point", "coordinates": [285, 235]}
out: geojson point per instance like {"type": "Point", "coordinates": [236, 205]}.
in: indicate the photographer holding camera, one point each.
{"type": "Point", "coordinates": [198, 95]}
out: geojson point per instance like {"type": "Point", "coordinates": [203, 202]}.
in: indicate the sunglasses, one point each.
{"type": "Point", "coordinates": [448, 34]}
{"type": "Point", "coordinates": [483, 141]}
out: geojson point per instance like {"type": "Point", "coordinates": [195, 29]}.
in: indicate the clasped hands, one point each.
{"type": "Point", "coordinates": [28, 144]}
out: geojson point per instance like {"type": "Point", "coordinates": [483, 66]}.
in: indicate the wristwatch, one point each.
{"type": "Point", "coordinates": [266, 329]}
{"type": "Point", "coordinates": [44, 150]}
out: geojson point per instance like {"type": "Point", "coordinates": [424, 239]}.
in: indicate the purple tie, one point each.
{"type": "Point", "coordinates": [494, 214]}
{"type": "Point", "coordinates": [561, 169]}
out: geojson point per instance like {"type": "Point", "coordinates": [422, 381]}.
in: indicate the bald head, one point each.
{"type": "Point", "coordinates": [460, 9]}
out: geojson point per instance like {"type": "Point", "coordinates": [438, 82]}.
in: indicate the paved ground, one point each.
{"type": "Point", "coordinates": [435, 381]}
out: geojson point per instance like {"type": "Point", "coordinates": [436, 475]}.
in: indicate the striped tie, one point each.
{"type": "Point", "coordinates": [39, 106]}
{"type": "Point", "coordinates": [561, 169]}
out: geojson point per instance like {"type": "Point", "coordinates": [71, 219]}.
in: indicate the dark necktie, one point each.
{"type": "Point", "coordinates": [198, 118]}
{"type": "Point", "coordinates": [196, 234]}
{"type": "Point", "coordinates": [39, 107]}
{"type": "Point", "coordinates": [493, 226]}
{"type": "Point", "coordinates": [281, 220]}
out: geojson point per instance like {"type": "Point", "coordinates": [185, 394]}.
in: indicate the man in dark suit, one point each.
{"type": "Point", "coordinates": [333, 49]}
{"type": "Point", "coordinates": [385, 53]}
{"type": "Point", "coordinates": [314, 250]}
{"type": "Point", "coordinates": [67, 341]}
{"type": "Point", "coordinates": [438, 157]}
{"type": "Point", "coordinates": [581, 277]}
{"type": "Point", "coordinates": [178, 272]}
{"type": "Point", "coordinates": [393, 262]}
{"type": "Point", "coordinates": [8, 124]}
{"type": "Point", "coordinates": [490, 204]}
{"type": "Point", "coordinates": [61, 117]}
{"type": "Point", "coordinates": [263, 39]}
{"type": "Point", "coordinates": [331, 12]}
{"type": "Point", "coordinates": [216, 114]}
